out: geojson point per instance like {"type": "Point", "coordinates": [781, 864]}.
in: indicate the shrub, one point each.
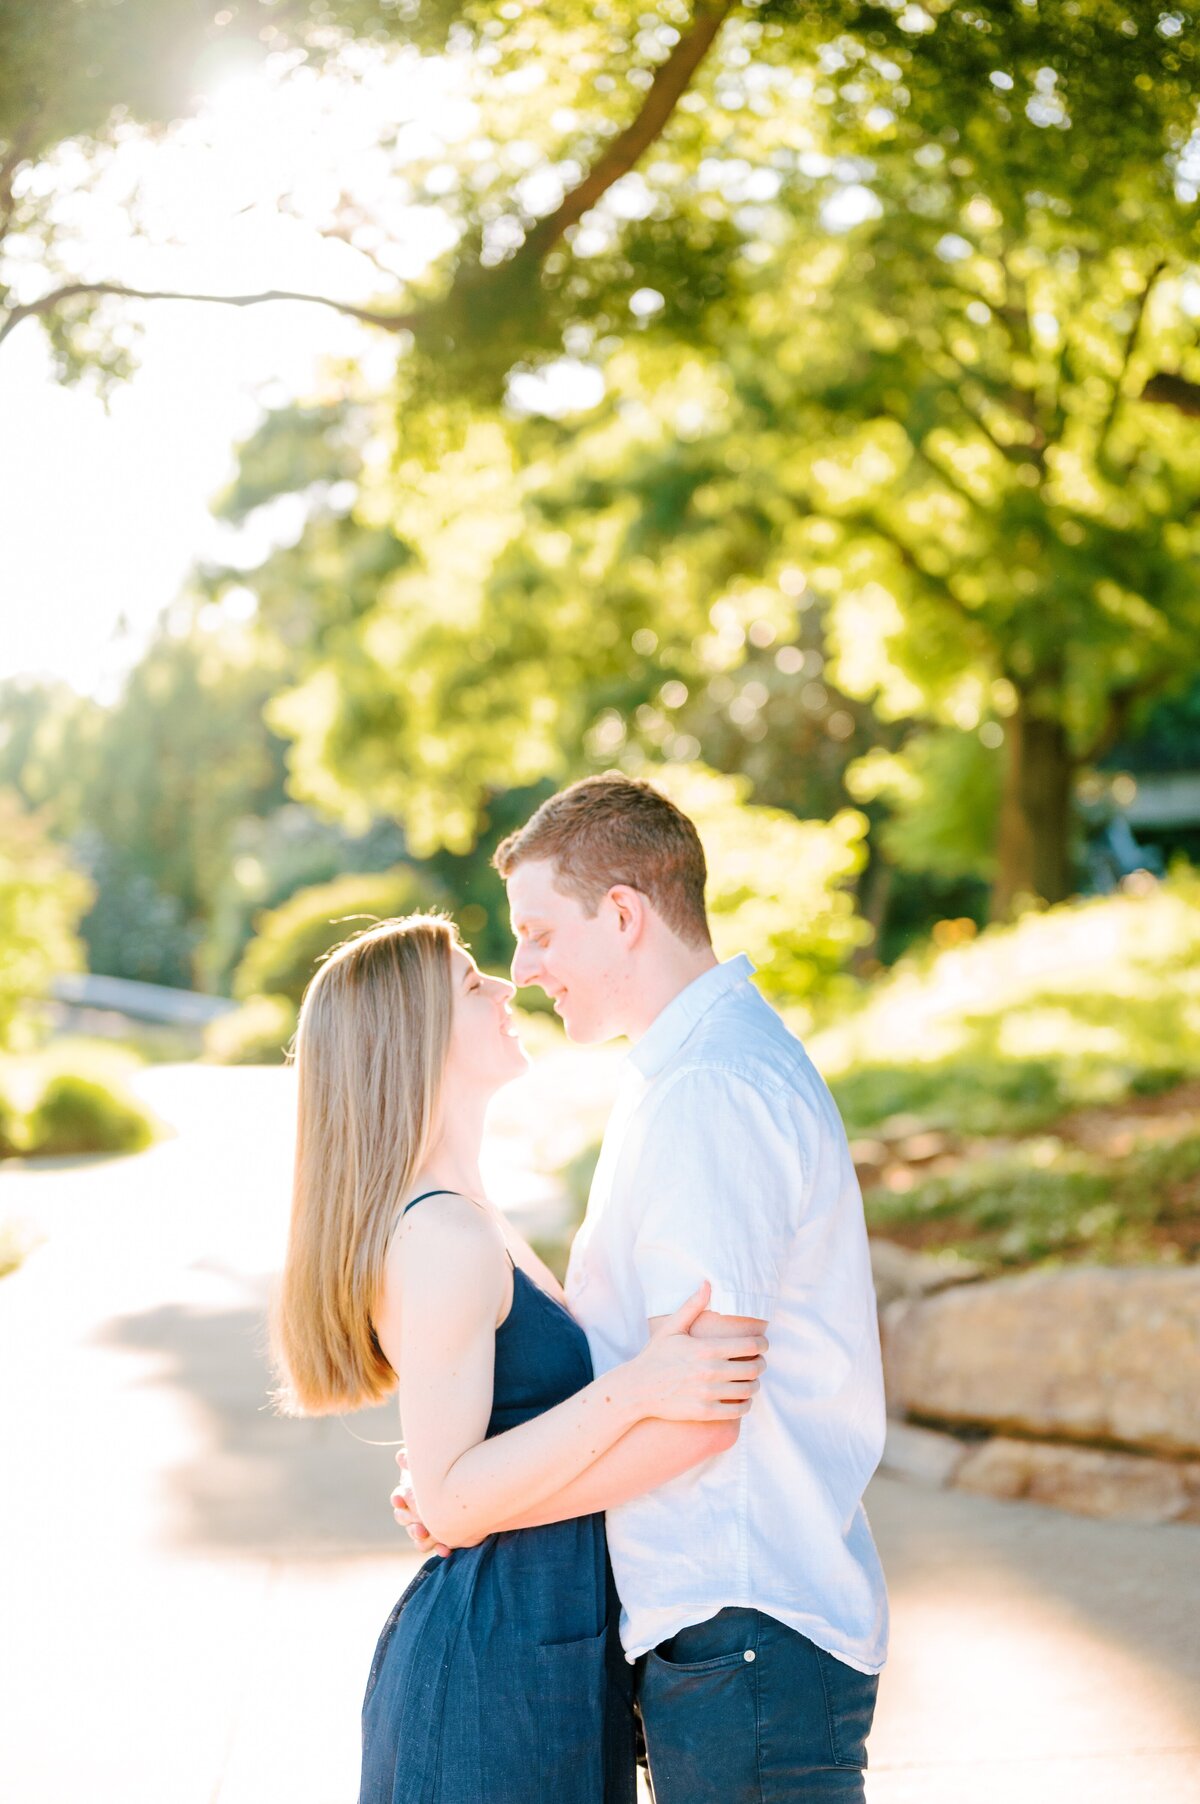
{"type": "Point", "coordinates": [293, 938]}
{"type": "Point", "coordinates": [9, 1134]}
{"type": "Point", "coordinates": [83, 1115]}
{"type": "Point", "coordinates": [41, 900]}
{"type": "Point", "coordinates": [255, 1034]}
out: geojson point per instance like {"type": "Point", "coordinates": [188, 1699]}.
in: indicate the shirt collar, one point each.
{"type": "Point", "coordinates": [671, 1027]}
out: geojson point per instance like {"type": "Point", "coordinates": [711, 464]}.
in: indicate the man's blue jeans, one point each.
{"type": "Point", "coordinates": [743, 1710]}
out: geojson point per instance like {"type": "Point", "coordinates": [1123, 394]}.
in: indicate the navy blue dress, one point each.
{"type": "Point", "coordinates": [499, 1676]}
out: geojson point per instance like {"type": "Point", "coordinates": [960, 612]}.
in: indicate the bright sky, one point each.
{"type": "Point", "coordinates": [103, 513]}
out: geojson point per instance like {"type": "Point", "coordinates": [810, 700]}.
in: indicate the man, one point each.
{"type": "Point", "coordinates": [753, 1602]}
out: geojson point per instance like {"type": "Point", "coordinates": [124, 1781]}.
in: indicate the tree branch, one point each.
{"type": "Point", "coordinates": [671, 80]}
{"type": "Point", "coordinates": [948, 476]}
{"type": "Point", "coordinates": [1122, 703]}
{"type": "Point", "coordinates": [1131, 338]}
{"type": "Point", "coordinates": [390, 322]}
{"type": "Point", "coordinates": [872, 523]}
{"type": "Point", "coordinates": [1166, 390]}
{"type": "Point", "coordinates": [1012, 453]}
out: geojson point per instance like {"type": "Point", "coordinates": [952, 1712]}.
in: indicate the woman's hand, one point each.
{"type": "Point", "coordinates": [684, 1379]}
{"type": "Point", "coordinates": [404, 1509]}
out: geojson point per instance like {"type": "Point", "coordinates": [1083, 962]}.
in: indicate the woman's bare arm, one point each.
{"type": "Point", "coordinates": [445, 1287]}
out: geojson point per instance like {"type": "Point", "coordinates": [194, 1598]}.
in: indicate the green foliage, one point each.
{"type": "Point", "coordinates": [1049, 1200]}
{"type": "Point", "coordinates": [149, 792]}
{"type": "Point", "coordinates": [292, 939]}
{"type": "Point", "coordinates": [1105, 989]}
{"type": "Point", "coordinates": [942, 791]}
{"type": "Point", "coordinates": [47, 745]}
{"type": "Point", "coordinates": [779, 889]}
{"type": "Point", "coordinates": [134, 927]}
{"type": "Point", "coordinates": [258, 1033]}
{"type": "Point", "coordinates": [10, 1128]}
{"type": "Point", "coordinates": [975, 1092]}
{"type": "Point", "coordinates": [273, 856]}
{"type": "Point", "coordinates": [41, 900]}
{"type": "Point", "coordinates": [85, 1115]}
{"type": "Point", "coordinates": [1015, 1050]}
{"type": "Point", "coordinates": [936, 433]}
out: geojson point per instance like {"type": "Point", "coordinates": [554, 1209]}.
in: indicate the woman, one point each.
{"type": "Point", "coordinates": [498, 1676]}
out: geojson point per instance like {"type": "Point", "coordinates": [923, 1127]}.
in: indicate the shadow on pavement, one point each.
{"type": "Point", "coordinates": [260, 1484]}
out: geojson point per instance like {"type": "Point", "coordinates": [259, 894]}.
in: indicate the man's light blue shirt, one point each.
{"type": "Point", "coordinates": [725, 1158]}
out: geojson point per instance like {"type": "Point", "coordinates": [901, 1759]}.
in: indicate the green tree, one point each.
{"type": "Point", "coordinates": [182, 758]}
{"type": "Point", "coordinates": [955, 429]}
{"type": "Point", "coordinates": [42, 898]}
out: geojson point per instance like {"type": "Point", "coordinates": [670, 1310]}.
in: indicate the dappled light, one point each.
{"type": "Point", "coordinates": [417, 406]}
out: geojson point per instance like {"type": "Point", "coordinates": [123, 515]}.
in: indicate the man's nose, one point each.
{"type": "Point", "coordinates": [524, 966]}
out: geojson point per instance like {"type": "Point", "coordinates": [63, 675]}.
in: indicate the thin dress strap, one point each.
{"type": "Point", "coordinates": [467, 1199]}
{"type": "Point", "coordinates": [426, 1193]}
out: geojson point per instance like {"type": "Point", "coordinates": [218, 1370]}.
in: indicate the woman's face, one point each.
{"type": "Point", "coordinates": [484, 1049]}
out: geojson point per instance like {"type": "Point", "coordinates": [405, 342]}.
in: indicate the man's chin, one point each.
{"type": "Point", "coordinates": [587, 1033]}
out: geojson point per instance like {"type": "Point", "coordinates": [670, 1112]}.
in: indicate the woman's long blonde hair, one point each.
{"type": "Point", "coordinates": [370, 1055]}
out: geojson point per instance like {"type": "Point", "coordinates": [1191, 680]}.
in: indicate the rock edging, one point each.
{"type": "Point", "coordinates": [1086, 1383]}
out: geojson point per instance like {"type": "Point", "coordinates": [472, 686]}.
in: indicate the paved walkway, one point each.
{"type": "Point", "coordinates": [192, 1586]}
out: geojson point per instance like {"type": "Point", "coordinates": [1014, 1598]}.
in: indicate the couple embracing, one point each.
{"type": "Point", "coordinates": [641, 1496]}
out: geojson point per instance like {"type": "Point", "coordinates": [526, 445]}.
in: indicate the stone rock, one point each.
{"type": "Point", "coordinates": [921, 1454]}
{"type": "Point", "coordinates": [899, 1272]}
{"type": "Point", "coordinates": [1090, 1354]}
{"type": "Point", "coordinates": [1126, 1487]}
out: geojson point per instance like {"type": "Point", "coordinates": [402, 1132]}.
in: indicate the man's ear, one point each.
{"type": "Point", "coordinates": [630, 905]}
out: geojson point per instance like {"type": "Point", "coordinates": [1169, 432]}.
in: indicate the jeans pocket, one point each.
{"type": "Point", "coordinates": [850, 1706]}
{"type": "Point", "coordinates": [700, 1722]}
{"type": "Point", "coordinates": [570, 1678]}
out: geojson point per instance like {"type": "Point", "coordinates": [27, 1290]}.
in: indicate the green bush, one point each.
{"type": "Point", "coordinates": [9, 1129]}
{"type": "Point", "coordinates": [1074, 1006]}
{"type": "Point", "coordinates": [293, 938]}
{"type": "Point", "coordinates": [255, 1034]}
{"type": "Point", "coordinates": [969, 1095]}
{"type": "Point", "coordinates": [42, 898]}
{"type": "Point", "coordinates": [83, 1115]}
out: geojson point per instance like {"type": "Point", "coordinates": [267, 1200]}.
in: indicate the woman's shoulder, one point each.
{"type": "Point", "coordinates": [443, 1227]}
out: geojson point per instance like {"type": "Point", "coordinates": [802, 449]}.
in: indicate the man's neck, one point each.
{"type": "Point", "coordinates": [661, 983]}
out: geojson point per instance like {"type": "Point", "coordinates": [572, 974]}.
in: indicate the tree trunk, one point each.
{"type": "Point", "coordinates": [1034, 843]}
{"type": "Point", "coordinates": [874, 895]}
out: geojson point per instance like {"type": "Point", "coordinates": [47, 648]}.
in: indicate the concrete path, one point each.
{"type": "Point", "coordinates": [192, 1586]}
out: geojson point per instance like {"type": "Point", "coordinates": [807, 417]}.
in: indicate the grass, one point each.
{"type": "Point", "coordinates": [1049, 1201]}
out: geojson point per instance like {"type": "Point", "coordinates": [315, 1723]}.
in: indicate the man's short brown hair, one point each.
{"type": "Point", "coordinates": [614, 829]}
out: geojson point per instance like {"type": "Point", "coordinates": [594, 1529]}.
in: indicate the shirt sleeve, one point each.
{"type": "Point", "coordinates": [717, 1177]}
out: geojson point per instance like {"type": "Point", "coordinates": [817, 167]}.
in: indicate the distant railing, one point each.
{"type": "Point", "coordinates": [140, 1001]}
